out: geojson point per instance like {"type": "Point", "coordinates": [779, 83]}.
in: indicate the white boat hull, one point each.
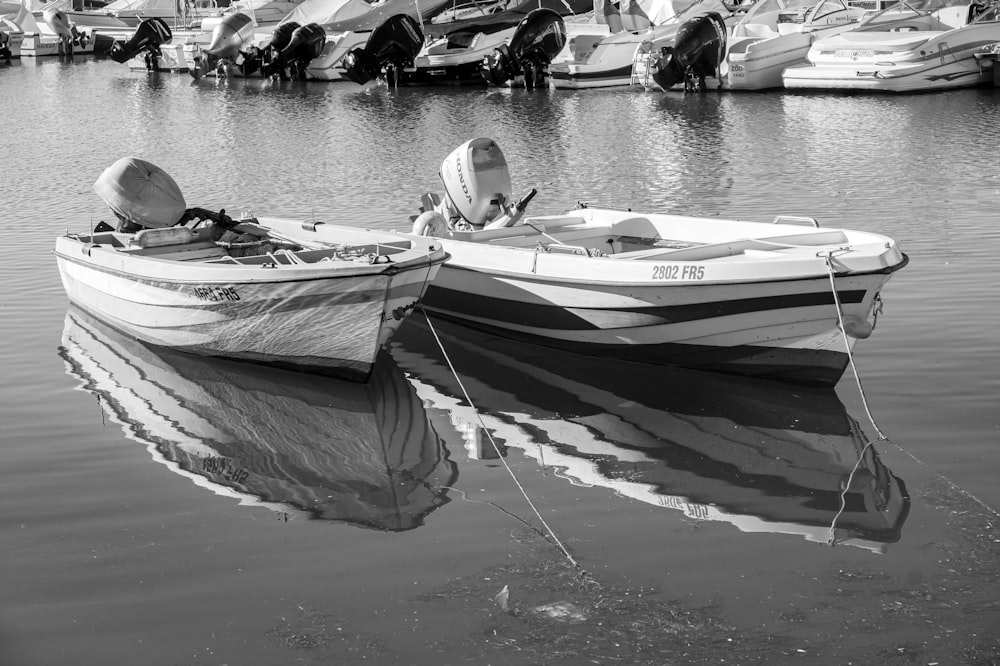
{"type": "Point", "coordinates": [905, 61]}
{"type": "Point", "coordinates": [330, 316]}
{"type": "Point", "coordinates": [722, 302]}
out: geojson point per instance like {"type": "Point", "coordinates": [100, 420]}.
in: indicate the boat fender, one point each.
{"type": "Point", "coordinates": [162, 236]}
{"type": "Point", "coordinates": [430, 223]}
{"type": "Point", "coordinates": [857, 327]}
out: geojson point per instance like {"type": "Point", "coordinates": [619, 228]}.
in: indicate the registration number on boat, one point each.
{"type": "Point", "coordinates": [216, 294]}
{"type": "Point", "coordinates": [675, 272]}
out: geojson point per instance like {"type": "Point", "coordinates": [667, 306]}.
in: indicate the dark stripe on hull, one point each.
{"type": "Point", "coordinates": [804, 366]}
{"type": "Point", "coordinates": [596, 75]}
{"type": "Point", "coordinates": [569, 319]}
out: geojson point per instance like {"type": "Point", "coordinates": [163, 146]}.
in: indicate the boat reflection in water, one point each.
{"type": "Point", "coordinates": [761, 455]}
{"type": "Point", "coordinates": [300, 444]}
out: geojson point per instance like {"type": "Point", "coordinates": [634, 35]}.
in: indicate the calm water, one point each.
{"type": "Point", "coordinates": [160, 509]}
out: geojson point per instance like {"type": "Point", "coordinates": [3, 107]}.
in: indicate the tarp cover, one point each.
{"type": "Point", "coordinates": [141, 192]}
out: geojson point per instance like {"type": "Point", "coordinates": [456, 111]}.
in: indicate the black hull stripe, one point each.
{"type": "Point", "coordinates": [553, 317]}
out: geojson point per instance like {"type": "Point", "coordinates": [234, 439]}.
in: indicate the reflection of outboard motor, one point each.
{"type": "Point", "coordinates": [477, 192]}
{"type": "Point", "coordinates": [69, 36]}
{"type": "Point", "coordinates": [698, 51]}
{"type": "Point", "coordinates": [537, 39]}
{"type": "Point", "coordinates": [290, 60]}
{"type": "Point", "coordinates": [148, 37]}
{"type": "Point", "coordinates": [392, 46]}
{"type": "Point", "coordinates": [228, 39]}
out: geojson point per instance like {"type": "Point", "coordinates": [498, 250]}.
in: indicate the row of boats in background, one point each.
{"type": "Point", "coordinates": [882, 45]}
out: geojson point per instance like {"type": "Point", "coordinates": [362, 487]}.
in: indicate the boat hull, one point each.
{"type": "Point", "coordinates": [906, 61]}
{"type": "Point", "coordinates": [733, 296]}
{"type": "Point", "coordinates": [329, 321]}
{"type": "Point", "coordinates": [787, 329]}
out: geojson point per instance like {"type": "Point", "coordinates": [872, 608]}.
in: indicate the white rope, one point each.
{"type": "Point", "coordinates": [847, 345]}
{"type": "Point", "coordinates": [497, 448]}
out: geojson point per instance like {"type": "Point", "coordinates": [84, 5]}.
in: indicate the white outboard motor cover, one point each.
{"type": "Point", "coordinates": [141, 192]}
{"type": "Point", "coordinates": [477, 181]}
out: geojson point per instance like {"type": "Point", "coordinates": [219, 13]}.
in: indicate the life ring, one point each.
{"type": "Point", "coordinates": [430, 223]}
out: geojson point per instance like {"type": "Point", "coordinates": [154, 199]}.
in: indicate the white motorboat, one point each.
{"type": "Point", "coordinates": [912, 46]}
{"type": "Point", "coordinates": [760, 49]}
{"type": "Point", "coordinates": [753, 298]}
{"type": "Point", "coordinates": [11, 37]}
{"type": "Point", "coordinates": [454, 52]}
{"type": "Point", "coordinates": [304, 446]}
{"type": "Point", "coordinates": [593, 60]}
{"type": "Point", "coordinates": [201, 282]}
{"type": "Point", "coordinates": [762, 456]}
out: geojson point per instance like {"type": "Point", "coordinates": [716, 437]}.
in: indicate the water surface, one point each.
{"type": "Point", "coordinates": [161, 509]}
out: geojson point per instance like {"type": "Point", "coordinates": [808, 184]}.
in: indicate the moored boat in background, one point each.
{"type": "Point", "coordinates": [913, 46]}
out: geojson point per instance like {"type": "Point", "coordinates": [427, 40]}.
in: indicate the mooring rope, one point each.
{"type": "Point", "coordinates": [496, 448]}
{"type": "Point", "coordinates": [847, 345]}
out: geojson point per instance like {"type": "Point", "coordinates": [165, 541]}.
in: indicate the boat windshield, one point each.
{"type": "Point", "coordinates": [762, 7]}
{"type": "Point", "coordinates": [825, 8]}
{"type": "Point", "coordinates": [911, 8]}
{"type": "Point", "coordinates": [700, 7]}
{"type": "Point", "coordinates": [989, 15]}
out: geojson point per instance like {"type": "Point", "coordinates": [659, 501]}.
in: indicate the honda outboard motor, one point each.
{"type": "Point", "coordinates": [229, 37]}
{"type": "Point", "coordinates": [392, 46]}
{"type": "Point", "coordinates": [148, 37]}
{"type": "Point", "coordinates": [538, 38]}
{"type": "Point", "coordinates": [304, 44]}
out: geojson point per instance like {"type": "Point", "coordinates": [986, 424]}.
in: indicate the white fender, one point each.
{"type": "Point", "coordinates": [430, 223]}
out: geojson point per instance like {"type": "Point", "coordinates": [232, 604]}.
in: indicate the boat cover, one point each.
{"type": "Point", "coordinates": [507, 18]}
{"type": "Point", "coordinates": [326, 11]}
{"type": "Point", "coordinates": [422, 11]}
{"type": "Point", "coordinates": [141, 192]}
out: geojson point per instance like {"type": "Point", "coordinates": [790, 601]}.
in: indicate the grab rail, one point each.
{"type": "Point", "coordinates": [795, 219]}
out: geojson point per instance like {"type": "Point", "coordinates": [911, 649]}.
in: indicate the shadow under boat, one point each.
{"type": "Point", "coordinates": [298, 444]}
{"type": "Point", "coordinates": [764, 456]}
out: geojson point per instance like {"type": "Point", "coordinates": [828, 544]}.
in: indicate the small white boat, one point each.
{"type": "Point", "coordinates": [912, 46]}
{"type": "Point", "coordinates": [200, 282]}
{"type": "Point", "coordinates": [777, 34]}
{"type": "Point", "coordinates": [752, 298]}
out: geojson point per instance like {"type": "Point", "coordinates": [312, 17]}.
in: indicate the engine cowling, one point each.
{"type": "Point", "coordinates": [230, 36]}
{"type": "Point", "coordinates": [476, 181]}
{"type": "Point", "coordinates": [148, 36]}
{"type": "Point", "coordinates": [392, 46]}
{"type": "Point", "coordinates": [538, 38]}
{"type": "Point", "coordinates": [304, 44]}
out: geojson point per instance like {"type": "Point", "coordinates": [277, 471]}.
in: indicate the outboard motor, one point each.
{"type": "Point", "coordinates": [392, 46]}
{"type": "Point", "coordinates": [699, 49]}
{"type": "Point", "coordinates": [229, 38]}
{"type": "Point", "coordinates": [141, 194]}
{"type": "Point", "coordinates": [304, 44]}
{"type": "Point", "coordinates": [538, 38]}
{"type": "Point", "coordinates": [148, 37]}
